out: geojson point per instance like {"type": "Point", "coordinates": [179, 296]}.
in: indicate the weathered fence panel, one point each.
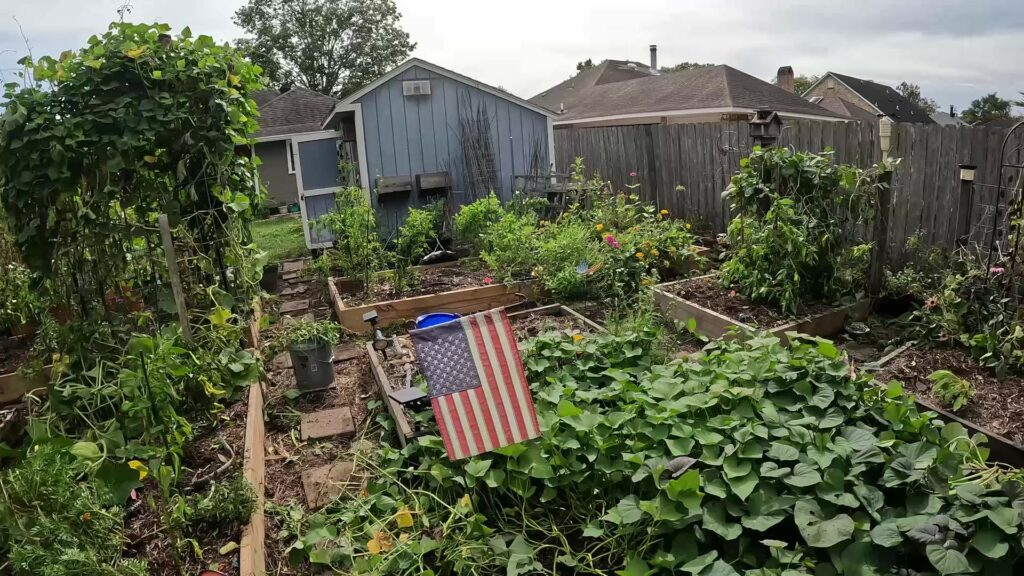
{"type": "Point", "coordinates": [686, 167]}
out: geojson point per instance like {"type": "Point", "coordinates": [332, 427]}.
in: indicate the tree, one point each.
{"type": "Point", "coordinates": [686, 66]}
{"type": "Point", "coordinates": [912, 92]}
{"type": "Point", "coordinates": [330, 46]}
{"type": "Point", "coordinates": [801, 83]}
{"type": "Point", "coordinates": [584, 65]}
{"type": "Point", "coordinates": [987, 109]}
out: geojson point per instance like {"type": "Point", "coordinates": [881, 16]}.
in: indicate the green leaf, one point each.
{"type": "Point", "coordinates": [858, 438]}
{"type": "Point", "coordinates": [593, 530]}
{"type": "Point", "coordinates": [567, 409]}
{"type": "Point", "coordinates": [477, 468]}
{"type": "Point", "coordinates": [635, 567]}
{"type": "Point", "coordinates": [803, 475]}
{"type": "Point", "coordinates": [679, 446]}
{"type": "Point", "coordinates": [772, 470]}
{"type": "Point", "coordinates": [715, 521]}
{"type": "Point", "coordinates": [818, 531]}
{"type": "Point", "coordinates": [719, 568]}
{"type": "Point", "coordinates": [743, 486]}
{"type": "Point", "coordinates": [781, 451]}
{"type": "Point", "coordinates": [989, 542]}
{"type": "Point", "coordinates": [699, 563]}
{"type": "Point", "coordinates": [86, 450]}
{"type": "Point", "coordinates": [629, 510]}
{"type": "Point", "coordinates": [734, 467]}
{"type": "Point", "coordinates": [1005, 518]}
{"type": "Point", "coordinates": [886, 534]}
{"type": "Point", "coordinates": [763, 522]}
{"type": "Point", "coordinates": [947, 560]}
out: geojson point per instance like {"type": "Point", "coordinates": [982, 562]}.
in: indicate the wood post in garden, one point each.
{"type": "Point", "coordinates": [880, 229]}
{"type": "Point", "coordinates": [966, 202]}
{"type": "Point", "coordinates": [172, 271]}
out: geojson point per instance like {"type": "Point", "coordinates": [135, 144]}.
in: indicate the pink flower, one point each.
{"type": "Point", "coordinates": [487, 280]}
{"type": "Point", "coordinates": [632, 174]}
{"type": "Point", "coordinates": [612, 241]}
{"type": "Point", "coordinates": [996, 270]}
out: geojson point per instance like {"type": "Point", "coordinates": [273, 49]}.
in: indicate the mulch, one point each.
{"type": "Point", "coordinates": [425, 281]}
{"type": "Point", "coordinates": [707, 292]}
{"type": "Point", "coordinates": [997, 405]}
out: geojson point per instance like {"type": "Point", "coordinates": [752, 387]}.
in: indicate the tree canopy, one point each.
{"type": "Point", "coordinates": [987, 109]}
{"type": "Point", "coordinates": [912, 92]}
{"type": "Point", "coordinates": [330, 46]}
{"type": "Point", "coordinates": [685, 66]}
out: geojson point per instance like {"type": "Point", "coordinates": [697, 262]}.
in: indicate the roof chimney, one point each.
{"type": "Point", "coordinates": [785, 79]}
{"type": "Point", "coordinates": [654, 58]}
{"type": "Point", "coordinates": [952, 111]}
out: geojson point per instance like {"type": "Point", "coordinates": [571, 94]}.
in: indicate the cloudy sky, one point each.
{"type": "Point", "coordinates": [956, 50]}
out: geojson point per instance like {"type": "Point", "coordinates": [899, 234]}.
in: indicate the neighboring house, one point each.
{"type": "Point", "coordinates": [415, 131]}
{"type": "Point", "coordinates": [285, 117]}
{"type": "Point", "coordinates": [947, 119]}
{"type": "Point", "coordinates": [878, 100]}
{"type": "Point", "coordinates": [619, 93]}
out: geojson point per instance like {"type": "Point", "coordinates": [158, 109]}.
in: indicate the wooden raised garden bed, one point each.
{"type": "Point", "coordinates": [398, 372]}
{"type": "Point", "coordinates": [996, 410]}
{"type": "Point", "coordinates": [818, 321]}
{"type": "Point", "coordinates": [447, 297]}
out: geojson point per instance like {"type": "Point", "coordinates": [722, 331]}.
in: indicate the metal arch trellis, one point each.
{"type": "Point", "coordinates": [1013, 199]}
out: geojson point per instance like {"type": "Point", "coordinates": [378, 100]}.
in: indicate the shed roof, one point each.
{"type": "Point", "coordinates": [293, 112]}
{"type": "Point", "coordinates": [719, 88]}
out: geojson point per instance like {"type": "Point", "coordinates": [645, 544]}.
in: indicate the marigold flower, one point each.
{"type": "Point", "coordinates": [654, 253]}
{"type": "Point", "coordinates": [577, 337]}
{"type": "Point", "coordinates": [663, 212]}
{"type": "Point", "coordinates": [599, 227]}
{"type": "Point", "coordinates": [86, 517]}
{"type": "Point", "coordinates": [689, 226]}
{"type": "Point", "coordinates": [639, 255]}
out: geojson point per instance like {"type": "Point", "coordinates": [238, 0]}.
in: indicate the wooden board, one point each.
{"type": "Point", "coordinates": [13, 386]}
{"type": "Point", "coordinates": [405, 432]}
{"type": "Point", "coordinates": [252, 558]}
{"type": "Point", "coordinates": [392, 184]}
{"type": "Point", "coordinates": [462, 301]}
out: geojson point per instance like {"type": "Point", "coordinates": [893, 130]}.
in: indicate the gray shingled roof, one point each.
{"type": "Point", "coordinates": [700, 88]}
{"type": "Point", "coordinates": [297, 110]}
{"type": "Point", "coordinates": [890, 102]}
{"type": "Point", "coordinates": [845, 108]}
{"type": "Point", "coordinates": [262, 97]}
{"type": "Point", "coordinates": [604, 73]}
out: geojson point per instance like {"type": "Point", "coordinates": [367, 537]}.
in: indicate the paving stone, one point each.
{"type": "Point", "coordinates": [328, 423]}
{"type": "Point", "coordinates": [289, 276]}
{"type": "Point", "coordinates": [296, 289]}
{"type": "Point", "coordinates": [348, 351]}
{"type": "Point", "coordinates": [293, 265]}
{"type": "Point", "coordinates": [294, 306]}
{"type": "Point", "coordinates": [282, 361]}
{"type": "Point", "coordinates": [326, 483]}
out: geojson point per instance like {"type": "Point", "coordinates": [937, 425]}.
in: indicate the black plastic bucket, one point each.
{"type": "Point", "coordinates": [313, 365]}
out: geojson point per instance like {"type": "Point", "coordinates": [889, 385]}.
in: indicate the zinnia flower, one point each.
{"type": "Point", "coordinates": [611, 241]}
{"type": "Point", "coordinates": [995, 270]}
{"type": "Point", "coordinates": [487, 280]}
{"type": "Point", "coordinates": [632, 174]}
{"type": "Point", "coordinates": [639, 255]}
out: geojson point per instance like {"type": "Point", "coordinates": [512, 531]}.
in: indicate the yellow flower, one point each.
{"type": "Point", "coordinates": [599, 227]}
{"type": "Point", "coordinates": [381, 542]}
{"type": "Point", "coordinates": [577, 337]}
{"type": "Point", "coordinates": [639, 255]}
{"type": "Point", "coordinates": [543, 222]}
{"type": "Point", "coordinates": [464, 501]}
{"type": "Point", "coordinates": [133, 54]}
{"type": "Point", "coordinates": [403, 518]}
{"type": "Point", "coordinates": [646, 280]}
{"type": "Point", "coordinates": [689, 226]}
{"type": "Point", "coordinates": [86, 517]}
{"type": "Point", "coordinates": [140, 467]}
{"type": "Point", "coordinates": [654, 253]}
{"type": "Point", "coordinates": [663, 212]}
{"type": "Point", "coordinates": [403, 537]}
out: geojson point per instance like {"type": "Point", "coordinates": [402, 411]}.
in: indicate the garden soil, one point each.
{"type": "Point", "coordinates": [706, 292]}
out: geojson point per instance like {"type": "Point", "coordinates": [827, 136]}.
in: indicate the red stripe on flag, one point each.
{"type": "Point", "coordinates": [487, 418]}
{"type": "Point", "coordinates": [474, 419]}
{"type": "Point", "coordinates": [503, 364]}
{"type": "Point", "coordinates": [518, 361]}
{"type": "Point", "coordinates": [445, 433]}
{"type": "Point", "coordinates": [459, 435]}
{"type": "Point", "coordinates": [491, 381]}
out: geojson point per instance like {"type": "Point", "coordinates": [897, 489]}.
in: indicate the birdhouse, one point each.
{"type": "Point", "coordinates": [765, 127]}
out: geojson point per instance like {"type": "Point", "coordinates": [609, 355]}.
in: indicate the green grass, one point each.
{"type": "Point", "coordinates": [282, 238]}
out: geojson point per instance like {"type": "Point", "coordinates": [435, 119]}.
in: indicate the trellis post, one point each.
{"type": "Point", "coordinates": [880, 251]}
{"type": "Point", "coordinates": [172, 271]}
{"type": "Point", "coordinates": [963, 214]}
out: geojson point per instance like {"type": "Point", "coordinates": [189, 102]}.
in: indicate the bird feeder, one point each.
{"type": "Point", "coordinates": [765, 128]}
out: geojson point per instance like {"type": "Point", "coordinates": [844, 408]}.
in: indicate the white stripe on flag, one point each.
{"type": "Point", "coordinates": [489, 347]}
{"type": "Point", "coordinates": [458, 451]}
{"type": "Point", "coordinates": [485, 383]}
{"type": "Point", "coordinates": [518, 386]}
{"type": "Point", "coordinates": [483, 415]}
{"type": "Point", "coordinates": [462, 413]}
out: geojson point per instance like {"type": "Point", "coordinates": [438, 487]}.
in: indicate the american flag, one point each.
{"type": "Point", "coordinates": [477, 385]}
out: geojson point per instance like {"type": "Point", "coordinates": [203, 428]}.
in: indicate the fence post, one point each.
{"type": "Point", "coordinates": [880, 251]}
{"type": "Point", "coordinates": [963, 212]}
{"type": "Point", "coordinates": [172, 271]}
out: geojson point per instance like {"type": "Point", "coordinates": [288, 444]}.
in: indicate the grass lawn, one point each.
{"type": "Point", "coordinates": [282, 238]}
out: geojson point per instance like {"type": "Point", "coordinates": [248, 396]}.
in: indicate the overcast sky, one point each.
{"type": "Point", "coordinates": [956, 51]}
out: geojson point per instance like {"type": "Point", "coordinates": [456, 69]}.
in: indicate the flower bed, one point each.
{"type": "Point", "coordinates": [704, 306]}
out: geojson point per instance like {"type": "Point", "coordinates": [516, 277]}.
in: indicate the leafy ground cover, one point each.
{"type": "Point", "coordinates": [281, 238]}
{"type": "Point", "coordinates": [786, 460]}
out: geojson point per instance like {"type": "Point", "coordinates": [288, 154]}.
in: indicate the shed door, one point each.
{"type": "Point", "coordinates": [318, 178]}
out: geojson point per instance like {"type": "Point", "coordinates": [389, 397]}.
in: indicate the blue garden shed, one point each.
{"type": "Point", "coordinates": [416, 131]}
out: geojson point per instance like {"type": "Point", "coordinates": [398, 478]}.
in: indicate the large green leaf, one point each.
{"type": "Point", "coordinates": [990, 542]}
{"type": "Point", "coordinates": [782, 451]}
{"type": "Point", "coordinates": [818, 531]}
{"type": "Point", "coordinates": [947, 560]}
{"type": "Point", "coordinates": [803, 475]}
{"type": "Point", "coordinates": [715, 520]}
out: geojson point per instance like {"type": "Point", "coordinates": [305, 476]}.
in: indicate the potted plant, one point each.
{"type": "Point", "coordinates": [310, 344]}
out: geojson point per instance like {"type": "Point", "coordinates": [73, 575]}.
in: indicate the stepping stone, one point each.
{"type": "Point", "coordinates": [346, 352]}
{"type": "Point", "coordinates": [294, 306]}
{"type": "Point", "coordinates": [289, 276]}
{"type": "Point", "coordinates": [293, 265]}
{"type": "Point", "coordinates": [326, 483]}
{"type": "Point", "coordinates": [328, 423]}
{"type": "Point", "coordinates": [282, 361]}
{"type": "Point", "coordinates": [293, 290]}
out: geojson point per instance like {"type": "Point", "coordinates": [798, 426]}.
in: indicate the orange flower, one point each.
{"type": "Point", "coordinates": [86, 517]}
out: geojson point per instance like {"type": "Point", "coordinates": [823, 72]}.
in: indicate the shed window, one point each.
{"type": "Point", "coordinates": [291, 156]}
{"type": "Point", "coordinates": [830, 83]}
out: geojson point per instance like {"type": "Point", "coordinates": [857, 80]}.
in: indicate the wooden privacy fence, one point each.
{"type": "Point", "coordinates": [701, 158]}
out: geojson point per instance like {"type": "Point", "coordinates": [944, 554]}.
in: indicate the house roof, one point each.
{"type": "Point", "coordinates": [944, 119]}
{"type": "Point", "coordinates": [845, 108]}
{"type": "Point", "coordinates": [293, 112]}
{"type": "Point", "coordinates": [263, 97]}
{"type": "Point", "coordinates": [604, 73]}
{"type": "Point", "coordinates": [715, 88]}
{"type": "Point", "coordinates": [1002, 123]}
{"type": "Point", "coordinates": [888, 101]}
{"type": "Point", "coordinates": [505, 95]}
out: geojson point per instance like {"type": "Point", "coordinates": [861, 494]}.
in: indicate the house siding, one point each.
{"type": "Point", "coordinates": [405, 136]}
{"type": "Point", "coordinates": [280, 185]}
{"type": "Point", "coordinates": [840, 91]}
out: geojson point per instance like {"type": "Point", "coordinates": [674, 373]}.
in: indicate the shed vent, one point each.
{"type": "Point", "coordinates": [415, 87]}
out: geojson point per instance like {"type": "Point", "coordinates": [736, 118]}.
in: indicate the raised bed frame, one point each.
{"type": "Point", "coordinates": [1000, 449]}
{"type": "Point", "coordinates": [716, 325]}
{"type": "Point", "coordinates": [384, 384]}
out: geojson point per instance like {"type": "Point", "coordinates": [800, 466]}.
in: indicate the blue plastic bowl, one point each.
{"type": "Point", "coordinates": [435, 318]}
